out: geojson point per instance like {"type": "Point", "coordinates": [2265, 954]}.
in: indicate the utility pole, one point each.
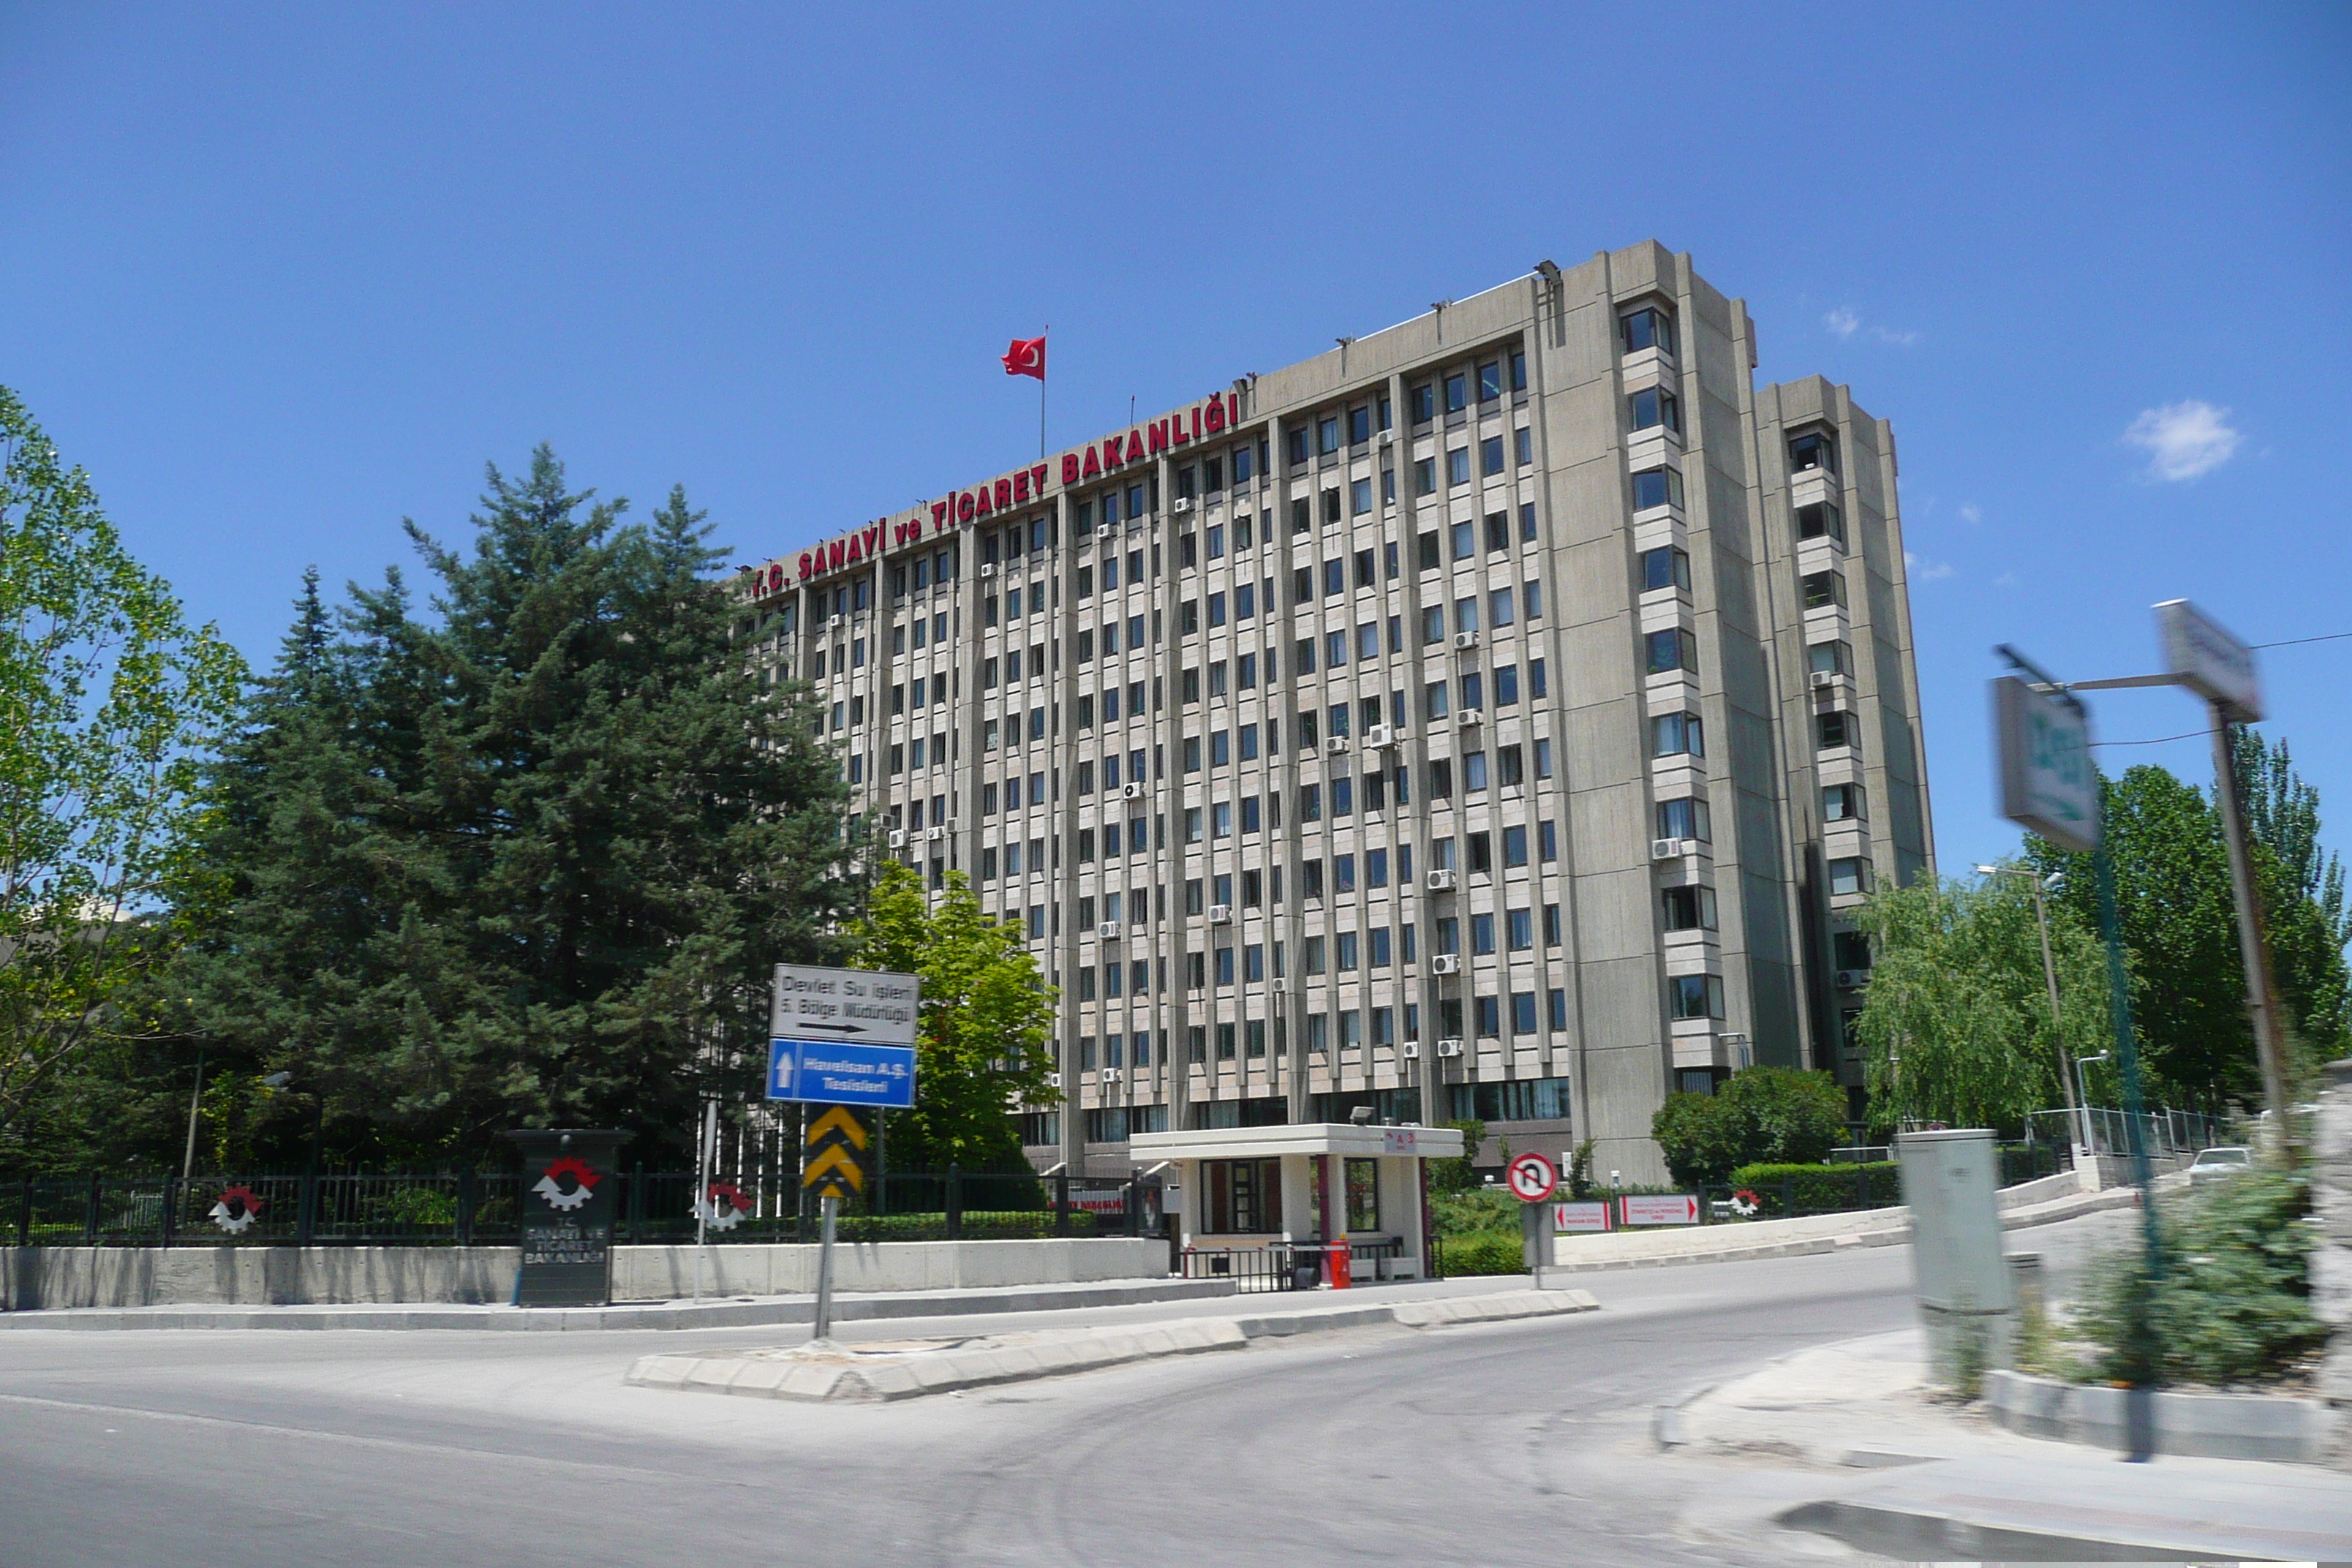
{"type": "Point", "coordinates": [2253, 940]}
{"type": "Point", "coordinates": [2077, 1114]}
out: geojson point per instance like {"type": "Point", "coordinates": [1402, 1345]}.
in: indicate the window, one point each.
{"type": "Point", "coordinates": [1657, 487]}
{"type": "Point", "coordinates": [1457, 393]}
{"type": "Point", "coordinates": [1830, 657]}
{"type": "Point", "coordinates": [1551, 935]}
{"type": "Point", "coordinates": [1425, 476]}
{"type": "Point", "coordinates": [1326, 435]}
{"type": "Point", "coordinates": [1532, 594]}
{"type": "Point", "coordinates": [1665, 567]}
{"type": "Point", "coordinates": [1834, 729]}
{"type": "Point", "coordinates": [1433, 700]}
{"type": "Point", "coordinates": [1647, 328]}
{"type": "Point", "coordinates": [1522, 930]}
{"type": "Point", "coordinates": [1490, 1017]}
{"type": "Point", "coordinates": [1490, 381]}
{"type": "Point", "coordinates": [1359, 497]}
{"type": "Point", "coordinates": [1515, 845]}
{"type": "Point", "coordinates": [1813, 449]}
{"type": "Point", "coordinates": [1842, 803]}
{"type": "Point", "coordinates": [1519, 370]}
{"type": "Point", "coordinates": [1522, 1012]}
{"type": "Point", "coordinates": [1543, 757]}
{"type": "Point", "coordinates": [1490, 456]}
{"type": "Point", "coordinates": [1527, 523]}
{"type": "Point", "coordinates": [1465, 542]}
{"type": "Point", "coordinates": [1695, 995]}
{"type": "Point", "coordinates": [1457, 465]}
{"type": "Point", "coordinates": [1654, 407]}
{"type": "Point", "coordinates": [1509, 765]}
{"type": "Point", "coordinates": [1498, 531]}
{"type": "Point", "coordinates": [1676, 648]}
{"type": "Point", "coordinates": [1820, 521]}
{"type": "Point", "coordinates": [1824, 589]}
{"type": "Point", "coordinates": [1244, 1197]}
{"type": "Point", "coordinates": [1420, 403]}
{"type": "Point", "coordinates": [1688, 909]}
{"type": "Point", "coordinates": [1501, 607]}
{"type": "Point", "coordinates": [1848, 875]}
{"type": "Point", "coordinates": [1849, 949]}
{"type": "Point", "coordinates": [1683, 818]}
{"type": "Point", "coordinates": [1482, 854]}
{"type": "Point", "coordinates": [1523, 446]}
{"type": "Point", "coordinates": [1677, 735]}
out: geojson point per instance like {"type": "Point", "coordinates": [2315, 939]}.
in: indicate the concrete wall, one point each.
{"type": "Point", "coordinates": [2331, 1255]}
{"type": "Point", "coordinates": [36, 1278]}
{"type": "Point", "coordinates": [663, 1273]}
{"type": "Point", "coordinates": [48, 1277]}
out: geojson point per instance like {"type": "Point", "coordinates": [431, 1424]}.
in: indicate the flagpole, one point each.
{"type": "Point", "coordinates": [1040, 399]}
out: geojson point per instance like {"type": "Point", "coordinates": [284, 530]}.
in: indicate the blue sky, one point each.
{"type": "Point", "coordinates": [279, 277]}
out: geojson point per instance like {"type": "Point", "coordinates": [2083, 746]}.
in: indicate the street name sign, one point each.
{"type": "Point", "coordinates": [2210, 661]}
{"type": "Point", "coordinates": [2047, 783]}
{"type": "Point", "coordinates": [1532, 1178]}
{"type": "Point", "coordinates": [1669, 1208]}
{"type": "Point", "coordinates": [843, 1037]}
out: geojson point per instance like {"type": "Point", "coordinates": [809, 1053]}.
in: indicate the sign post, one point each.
{"type": "Point", "coordinates": [570, 1184]}
{"type": "Point", "coordinates": [840, 1037]}
{"type": "Point", "coordinates": [1532, 1180]}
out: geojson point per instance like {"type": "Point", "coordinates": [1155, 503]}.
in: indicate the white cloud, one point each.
{"type": "Point", "coordinates": [2183, 440]}
{"type": "Point", "coordinates": [1846, 322]}
{"type": "Point", "coordinates": [1925, 571]}
{"type": "Point", "coordinates": [1971, 515]}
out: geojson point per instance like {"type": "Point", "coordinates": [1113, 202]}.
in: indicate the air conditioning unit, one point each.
{"type": "Point", "coordinates": [834, 622]}
{"type": "Point", "coordinates": [1335, 745]}
{"type": "Point", "coordinates": [1221, 914]}
{"type": "Point", "coordinates": [935, 835]}
{"type": "Point", "coordinates": [1445, 964]}
{"type": "Point", "coordinates": [1409, 1050]}
{"type": "Point", "coordinates": [1470, 719]}
{"type": "Point", "coordinates": [1130, 792]}
{"type": "Point", "coordinates": [1380, 737]}
{"type": "Point", "coordinates": [988, 568]}
{"type": "Point", "coordinates": [1665, 849]}
{"type": "Point", "coordinates": [1825, 680]}
{"type": "Point", "coordinates": [898, 838]}
{"type": "Point", "coordinates": [1852, 979]}
{"type": "Point", "coordinates": [1465, 639]}
{"type": "Point", "coordinates": [1109, 1075]}
{"type": "Point", "coordinates": [1441, 881]}
{"type": "Point", "coordinates": [1106, 928]}
{"type": "Point", "coordinates": [1449, 1048]}
{"type": "Point", "coordinates": [1388, 437]}
{"type": "Point", "coordinates": [1183, 503]}
{"type": "Point", "coordinates": [1053, 1080]}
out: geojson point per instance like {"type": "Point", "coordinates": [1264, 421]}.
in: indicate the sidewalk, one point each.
{"type": "Point", "coordinates": [1873, 1461]}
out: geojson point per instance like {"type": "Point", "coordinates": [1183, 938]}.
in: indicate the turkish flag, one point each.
{"type": "Point", "coordinates": [1026, 357]}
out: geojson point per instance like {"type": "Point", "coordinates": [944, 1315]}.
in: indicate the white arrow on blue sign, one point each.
{"type": "Point", "coordinates": [837, 1072]}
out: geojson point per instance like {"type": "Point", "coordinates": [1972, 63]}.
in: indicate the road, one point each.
{"type": "Point", "coordinates": [1483, 1445]}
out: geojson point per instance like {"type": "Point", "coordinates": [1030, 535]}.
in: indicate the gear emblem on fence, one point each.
{"type": "Point", "coordinates": [724, 1206]}
{"type": "Point", "coordinates": [237, 1209]}
{"type": "Point", "coordinates": [1745, 1203]}
{"type": "Point", "coordinates": [550, 1184]}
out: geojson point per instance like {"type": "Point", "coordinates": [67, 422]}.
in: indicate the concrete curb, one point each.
{"type": "Point", "coordinates": [945, 1372]}
{"type": "Point", "coordinates": [666, 1315]}
{"type": "Point", "coordinates": [2213, 1425]}
{"type": "Point", "coordinates": [1919, 1535]}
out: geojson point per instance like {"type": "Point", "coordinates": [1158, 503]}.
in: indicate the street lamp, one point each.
{"type": "Point", "coordinates": [2079, 1114]}
{"type": "Point", "coordinates": [2081, 1067]}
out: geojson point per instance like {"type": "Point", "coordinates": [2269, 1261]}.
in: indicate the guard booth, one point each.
{"type": "Point", "coordinates": [1272, 1205]}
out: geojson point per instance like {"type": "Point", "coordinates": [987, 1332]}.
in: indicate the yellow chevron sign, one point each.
{"type": "Point", "coordinates": [838, 1120]}
{"type": "Point", "coordinates": [836, 1167]}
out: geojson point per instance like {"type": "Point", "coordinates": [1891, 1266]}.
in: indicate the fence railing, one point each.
{"type": "Point", "coordinates": [2166, 1134]}
{"type": "Point", "coordinates": [1275, 1266]}
{"type": "Point", "coordinates": [472, 1207]}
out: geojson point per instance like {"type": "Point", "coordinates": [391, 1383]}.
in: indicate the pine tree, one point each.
{"type": "Point", "coordinates": [529, 863]}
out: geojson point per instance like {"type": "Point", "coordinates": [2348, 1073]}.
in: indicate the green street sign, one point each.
{"type": "Point", "coordinates": [2048, 784]}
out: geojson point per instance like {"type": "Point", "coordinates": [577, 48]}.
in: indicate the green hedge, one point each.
{"type": "Point", "coordinates": [1819, 1189]}
{"type": "Point", "coordinates": [1487, 1252]}
{"type": "Point", "coordinates": [979, 1225]}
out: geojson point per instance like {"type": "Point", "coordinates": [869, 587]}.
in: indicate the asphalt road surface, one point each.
{"type": "Point", "coordinates": [1505, 1444]}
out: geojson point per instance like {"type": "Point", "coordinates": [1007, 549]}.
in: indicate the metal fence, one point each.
{"type": "Point", "coordinates": [467, 1207]}
{"type": "Point", "coordinates": [2165, 1134]}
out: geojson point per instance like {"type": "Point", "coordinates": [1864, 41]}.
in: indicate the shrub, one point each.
{"type": "Point", "coordinates": [1819, 1189]}
{"type": "Point", "coordinates": [1487, 1252]}
{"type": "Point", "coordinates": [2232, 1305]}
{"type": "Point", "coordinates": [1479, 1209]}
{"type": "Point", "coordinates": [1780, 1115]}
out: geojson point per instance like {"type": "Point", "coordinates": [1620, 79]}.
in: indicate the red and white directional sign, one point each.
{"type": "Point", "coordinates": [1667, 1208]}
{"type": "Point", "coordinates": [1575, 1216]}
{"type": "Point", "coordinates": [1532, 1178]}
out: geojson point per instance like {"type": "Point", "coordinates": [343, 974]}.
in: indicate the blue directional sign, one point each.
{"type": "Point", "coordinates": [835, 1072]}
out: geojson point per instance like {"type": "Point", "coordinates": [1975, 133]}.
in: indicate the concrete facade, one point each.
{"type": "Point", "coordinates": [1460, 868]}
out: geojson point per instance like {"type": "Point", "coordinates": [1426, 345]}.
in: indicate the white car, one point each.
{"type": "Point", "coordinates": [2218, 1164]}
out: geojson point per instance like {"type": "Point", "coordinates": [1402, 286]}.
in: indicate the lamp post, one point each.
{"type": "Point", "coordinates": [2076, 1112]}
{"type": "Point", "coordinates": [2081, 1067]}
